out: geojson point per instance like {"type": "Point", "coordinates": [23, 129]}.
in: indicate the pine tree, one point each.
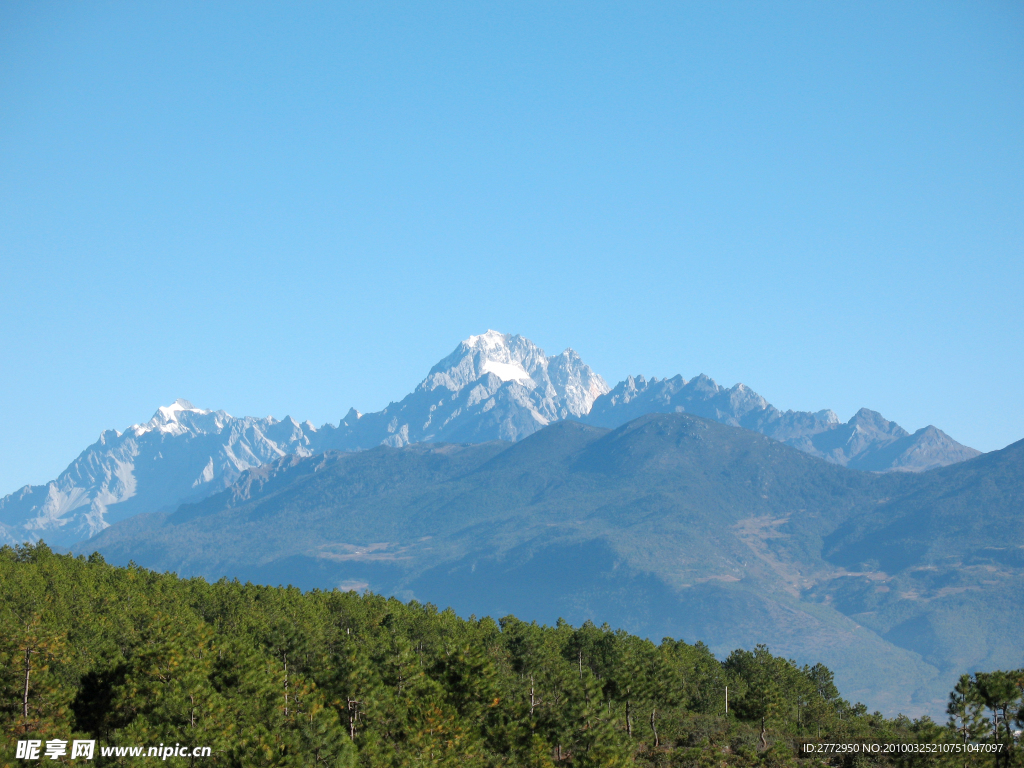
{"type": "Point", "coordinates": [34, 702]}
{"type": "Point", "coordinates": [595, 741]}
{"type": "Point", "coordinates": [999, 691]}
{"type": "Point", "coordinates": [167, 693]}
{"type": "Point", "coordinates": [365, 706]}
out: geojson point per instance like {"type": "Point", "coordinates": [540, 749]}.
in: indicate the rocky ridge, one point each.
{"type": "Point", "coordinates": [183, 453]}
{"type": "Point", "coordinates": [867, 441]}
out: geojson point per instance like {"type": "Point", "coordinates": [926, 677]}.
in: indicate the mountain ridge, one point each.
{"type": "Point", "coordinates": [492, 386]}
{"type": "Point", "coordinates": [867, 441]}
{"type": "Point", "coordinates": [182, 452]}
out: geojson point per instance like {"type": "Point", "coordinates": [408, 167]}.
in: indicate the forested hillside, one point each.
{"type": "Point", "coordinates": [671, 525]}
{"type": "Point", "coordinates": [273, 676]}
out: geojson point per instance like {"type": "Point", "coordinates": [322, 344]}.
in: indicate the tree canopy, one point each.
{"type": "Point", "coordinates": [272, 676]}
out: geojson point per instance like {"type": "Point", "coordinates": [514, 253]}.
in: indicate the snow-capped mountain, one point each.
{"type": "Point", "coordinates": [183, 453]}
{"type": "Point", "coordinates": [866, 442]}
{"type": "Point", "coordinates": [494, 386]}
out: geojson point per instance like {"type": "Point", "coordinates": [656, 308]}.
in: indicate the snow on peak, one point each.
{"type": "Point", "coordinates": [559, 386]}
{"type": "Point", "coordinates": [513, 371]}
{"type": "Point", "coordinates": [166, 418]}
{"type": "Point", "coordinates": [509, 357]}
{"type": "Point", "coordinates": [167, 414]}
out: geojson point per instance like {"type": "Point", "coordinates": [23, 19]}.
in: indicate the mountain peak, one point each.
{"type": "Point", "coordinates": [486, 341]}
{"type": "Point", "coordinates": [168, 418]}
{"type": "Point", "coordinates": [827, 415]}
{"type": "Point", "coordinates": [509, 357]}
{"type": "Point", "coordinates": [492, 386]}
{"type": "Point", "coordinates": [166, 414]}
{"type": "Point", "coordinates": [866, 420]}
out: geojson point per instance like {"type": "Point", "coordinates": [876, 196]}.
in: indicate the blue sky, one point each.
{"type": "Point", "coordinates": [294, 209]}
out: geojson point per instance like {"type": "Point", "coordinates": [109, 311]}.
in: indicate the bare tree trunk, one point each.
{"type": "Point", "coordinates": [28, 672]}
{"type": "Point", "coordinates": [629, 720]}
{"type": "Point", "coordinates": [654, 716]}
{"type": "Point", "coordinates": [285, 685]}
{"type": "Point", "coordinates": [1009, 736]}
{"type": "Point", "coordinates": [353, 717]}
{"type": "Point", "coordinates": [533, 702]}
{"type": "Point", "coordinates": [763, 742]}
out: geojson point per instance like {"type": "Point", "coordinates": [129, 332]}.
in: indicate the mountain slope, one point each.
{"type": "Point", "coordinates": [939, 569]}
{"type": "Point", "coordinates": [669, 525]}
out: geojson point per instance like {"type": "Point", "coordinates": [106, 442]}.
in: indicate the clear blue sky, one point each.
{"type": "Point", "coordinates": [293, 209]}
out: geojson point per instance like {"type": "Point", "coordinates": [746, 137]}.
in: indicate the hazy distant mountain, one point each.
{"type": "Point", "coordinates": [181, 453]}
{"type": "Point", "coordinates": [493, 386]}
{"type": "Point", "coordinates": [867, 441]}
{"type": "Point", "coordinates": [670, 525]}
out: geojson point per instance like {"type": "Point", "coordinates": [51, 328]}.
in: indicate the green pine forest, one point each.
{"type": "Point", "coordinates": [272, 676]}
